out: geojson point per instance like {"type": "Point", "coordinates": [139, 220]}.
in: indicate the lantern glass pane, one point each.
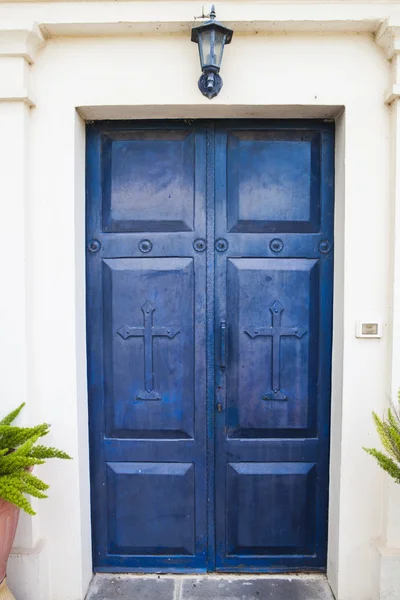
{"type": "Point", "coordinates": [219, 47]}
{"type": "Point", "coordinates": [211, 46]}
{"type": "Point", "coordinates": [205, 47]}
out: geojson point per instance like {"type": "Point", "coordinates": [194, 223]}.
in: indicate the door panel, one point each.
{"type": "Point", "coordinates": [284, 494]}
{"type": "Point", "coordinates": [273, 180]}
{"type": "Point", "coordinates": [149, 347]}
{"type": "Point", "coordinates": [146, 346]}
{"type": "Point", "coordinates": [148, 181]}
{"type": "Point", "coordinates": [273, 325]}
{"type": "Point", "coordinates": [273, 274]}
{"type": "Point", "coordinates": [150, 486]}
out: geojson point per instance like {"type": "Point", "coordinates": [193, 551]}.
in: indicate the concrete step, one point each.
{"type": "Point", "coordinates": [209, 587]}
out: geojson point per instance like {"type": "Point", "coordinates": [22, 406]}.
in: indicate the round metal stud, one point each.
{"type": "Point", "coordinates": [324, 246]}
{"type": "Point", "coordinates": [200, 245]}
{"type": "Point", "coordinates": [221, 245]}
{"type": "Point", "coordinates": [94, 246]}
{"type": "Point", "coordinates": [145, 246]}
{"type": "Point", "coordinates": [276, 245]}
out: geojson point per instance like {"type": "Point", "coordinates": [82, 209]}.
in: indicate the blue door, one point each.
{"type": "Point", "coordinates": [209, 309]}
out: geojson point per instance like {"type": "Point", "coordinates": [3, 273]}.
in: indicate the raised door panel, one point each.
{"type": "Point", "coordinates": [149, 347]}
{"type": "Point", "coordinates": [270, 508]}
{"type": "Point", "coordinates": [148, 181]}
{"type": "Point", "coordinates": [273, 343]}
{"type": "Point", "coordinates": [273, 181]}
{"type": "Point", "coordinates": [150, 509]}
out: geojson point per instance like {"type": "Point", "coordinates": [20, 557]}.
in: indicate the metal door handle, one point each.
{"type": "Point", "coordinates": [223, 344]}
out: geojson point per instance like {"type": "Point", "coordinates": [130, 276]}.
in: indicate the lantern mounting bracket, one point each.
{"type": "Point", "coordinates": [203, 16]}
{"type": "Point", "coordinates": [210, 84]}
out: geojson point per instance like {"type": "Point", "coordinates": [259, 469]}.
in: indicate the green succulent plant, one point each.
{"type": "Point", "coordinates": [19, 453]}
{"type": "Point", "coordinates": [389, 432]}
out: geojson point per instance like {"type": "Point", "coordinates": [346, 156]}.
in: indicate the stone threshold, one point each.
{"type": "Point", "coordinates": [209, 587]}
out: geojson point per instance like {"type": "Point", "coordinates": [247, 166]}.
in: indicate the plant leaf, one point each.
{"type": "Point", "coordinates": [46, 452]}
{"type": "Point", "coordinates": [12, 494]}
{"type": "Point", "coordinates": [386, 463]}
{"type": "Point", "coordinates": [34, 481]}
{"type": "Point", "coordinates": [12, 416]}
{"type": "Point", "coordinates": [12, 437]}
{"type": "Point", "coordinates": [11, 463]}
{"type": "Point", "coordinates": [19, 452]}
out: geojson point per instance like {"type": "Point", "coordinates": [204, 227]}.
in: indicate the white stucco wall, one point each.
{"type": "Point", "coordinates": [42, 322]}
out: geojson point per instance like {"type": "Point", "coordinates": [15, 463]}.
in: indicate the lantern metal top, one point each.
{"type": "Point", "coordinates": [212, 23]}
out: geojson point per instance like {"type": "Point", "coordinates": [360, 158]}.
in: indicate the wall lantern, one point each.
{"type": "Point", "coordinates": [211, 37]}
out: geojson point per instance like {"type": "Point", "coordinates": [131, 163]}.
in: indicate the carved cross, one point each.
{"type": "Point", "coordinates": [276, 332]}
{"type": "Point", "coordinates": [148, 332]}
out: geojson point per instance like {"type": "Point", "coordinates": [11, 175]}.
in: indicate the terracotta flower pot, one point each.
{"type": "Point", "coordinates": [9, 515]}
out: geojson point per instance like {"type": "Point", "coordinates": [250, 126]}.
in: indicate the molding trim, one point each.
{"type": "Point", "coordinates": [21, 42]}
{"type": "Point", "coordinates": [127, 17]}
{"type": "Point", "coordinates": [388, 38]}
{"type": "Point", "coordinates": [19, 47]}
{"type": "Point", "coordinates": [392, 94]}
{"type": "Point", "coordinates": [37, 549]}
{"type": "Point", "coordinates": [25, 99]}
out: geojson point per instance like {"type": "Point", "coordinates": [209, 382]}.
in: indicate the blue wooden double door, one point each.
{"type": "Point", "coordinates": [209, 310]}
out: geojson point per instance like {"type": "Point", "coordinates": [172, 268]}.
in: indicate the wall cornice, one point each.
{"type": "Point", "coordinates": [21, 41]}
{"type": "Point", "coordinates": [121, 17]}
{"type": "Point", "coordinates": [19, 46]}
{"type": "Point", "coordinates": [25, 27]}
{"type": "Point", "coordinates": [388, 38]}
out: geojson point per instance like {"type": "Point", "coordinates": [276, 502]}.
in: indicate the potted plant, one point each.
{"type": "Point", "coordinates": [389, 432]}
{"type": "Point", "coordinates": [19, 453]}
